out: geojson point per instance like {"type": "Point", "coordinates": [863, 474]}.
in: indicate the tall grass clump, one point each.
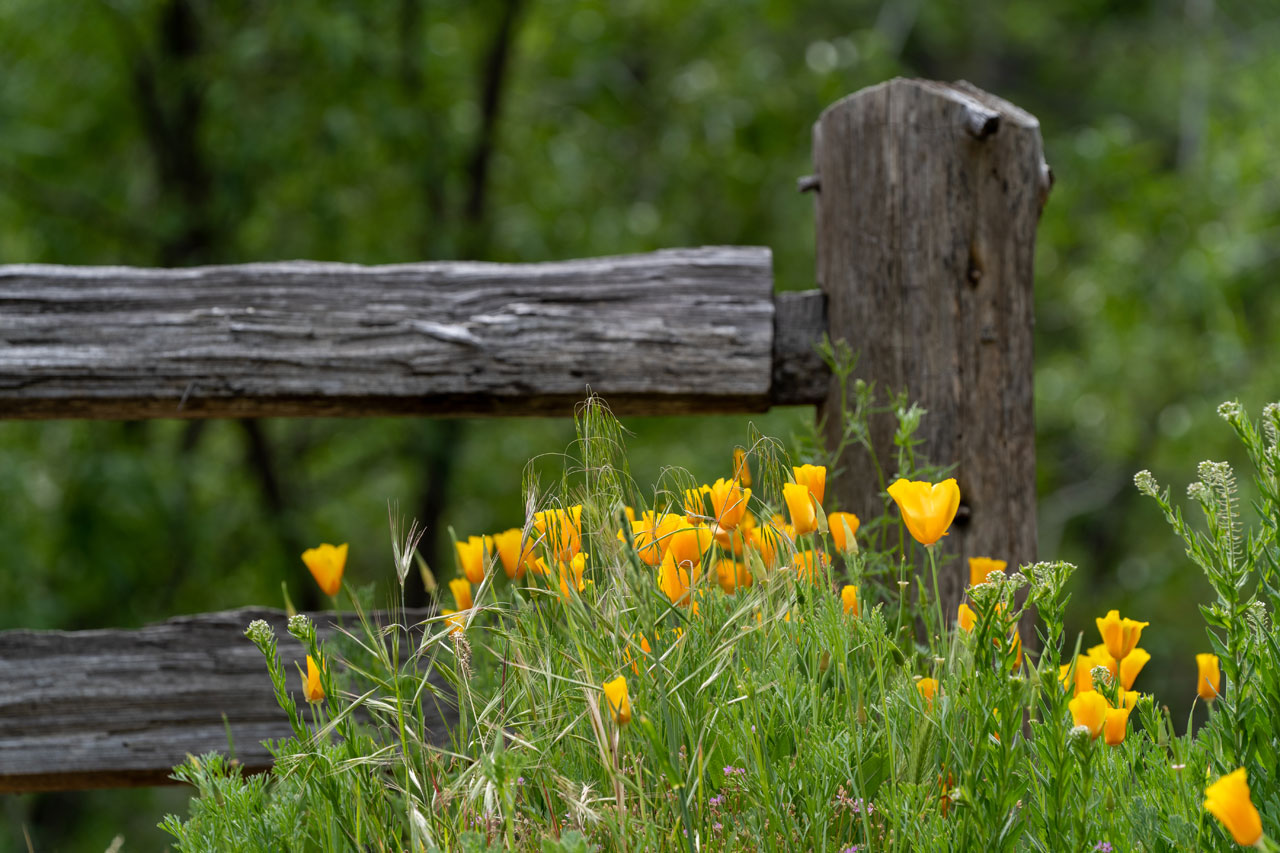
{"type": "Point", "coordinates": [740, 666]}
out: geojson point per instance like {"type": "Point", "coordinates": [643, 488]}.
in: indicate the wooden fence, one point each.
{"type": "Point", "coordinates": [927, 200]}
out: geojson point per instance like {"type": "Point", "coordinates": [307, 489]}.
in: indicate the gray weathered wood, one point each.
{"type": "Point", "coordinates": [800, 375]}
{"type": "Point", "coordinates": [926, 219]}
{"type": "Point", "coordinates": [110, 708]}
{"type": "Point", "coordinates": [682, 330]}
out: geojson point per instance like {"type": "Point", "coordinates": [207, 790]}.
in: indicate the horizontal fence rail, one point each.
{"type": "Point", "coordinates": [111, 708]}
{"type": "Point", "coordinates": [674, 331]}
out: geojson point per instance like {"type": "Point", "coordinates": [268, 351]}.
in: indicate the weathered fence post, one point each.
{"type": "Point", "coordinates": [928, 197]}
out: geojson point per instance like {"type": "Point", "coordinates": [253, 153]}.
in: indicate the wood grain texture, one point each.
{"type": "Point", "coordinates": [800, 376]}
{"type": "Point", "coordinates": [926, 219]}
{"type": "Point", "coordinates": [680, 330]}
{"type": "Point", "coordinates": [109, 708]}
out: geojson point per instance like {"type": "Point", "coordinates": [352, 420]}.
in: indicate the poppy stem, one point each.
{"type": "Point", "coordinates": [937, 599]}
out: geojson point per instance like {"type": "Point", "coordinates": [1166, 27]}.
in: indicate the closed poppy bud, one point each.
{"type": "Point", "coordinates": [514, 560]}
{"type": "Point", "coordinates": [1209, 677]}
{"type": "Point", "coordinates": [673, 580]}
{"type": "Point", "coordinates": [1089, 710]}
{"type": "Point", "coordinates": [731, 575]}
{"type": "Point", "coordinates": [849, 599]}
{"type": "Point", "coordinates": [311, 686]}
{"type": "Point", "coordinates": [461, 589]}
{"type": "Point", "coordinates": [814, 477]}
{"type": "Point", "coordinates": [1129, 699]}
{"type": "Point", "coordinates": [966, 617]}
{"type": "Point", "coordinates": [928, 688]}
{"type": "Point", "coordinates": [472, 556]}
{"type": "Point", "coordinates": [843, 527]}
{"type": "Point", "coordinates": [1115, 725]}
{"type": "Point", "coordinates": [1228, 800]}
{"type": "Point", "coordinates": [1120, 635]}
{"type": "Point", "coordinates": [741, 471]}
{"type": "Point", "coordinates": [1131, 666]}
{"type": "Point", "coordinates": [326, 564]}
{"type": "Point", "coordinates": [980, 567]}
{"type": "Point", "coordinates": [615, 695]}
{"type": "Point", "coordinates": [800, 506]}
{"type": "Point", "coordinates": [927, 508]}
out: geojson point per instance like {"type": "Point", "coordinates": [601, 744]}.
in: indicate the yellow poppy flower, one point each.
{"type": "Point", "coordinates": [615, 695]}
{"type": "Point", "coordinates": [807, 564]}
{"type": "Point", "coordinates": [1131, 666]}
{"type": "Point", "coordinates": [732, 576]}
{"type": "Point", "coordinates": [814, 477]}
{"type": "Point", "coordinates": [768, 540]}
{"type": "Point", "coordinates": [728, 503]}
{"type": "Point", "coordinates": [1120, 635]}
{"type": "Point", "coordinates": [644, 647]}
{"type": "Point", "coordinates": [514, 560]}
{"type": "Point", "coordinates": [1129, 699]}
{"type": "Point", "coordinates": [457, 621]}
{"type": "Point", "coordinates": [571, 575]}
{"type": "Point", "coordinates": [928, 688]}
{"type": "Point", "coordinates": [311, 686]}
{"type": "Point", "coordinates": [1099, 656]}
{"type": "Point", "coordinates": [673, 580]}
{"type": "Point", "coordinates": [800, 506]}
{"type": "Point", "coordinates": [1208, 677]}
{"type": "Point", "coordinates": [695, 509]}
{"type": "Point", "coordinates": [927, 508]}
{"type": "Point", "coordinates": [461, 589]}
{"type": "Point", "coordinates": [686, 543]}
{"type": "Point", "coordinates": [326, 563]}
{"type": "Point", "coordinates": [473, 555]}
{"type": "Point", "coordinates": [1083, 681]}
{"type": "Point", "coordinates": [843, 527]}
{"type": "Point", "coordinates": [1228, 800]}
{"type": "Point", "coordinates": [966, 617]}
{"type": "Point", "coordinates": [1115, 726]}
{"type": "Point", "coordinates": [1089, 710]}
{"type": "Point", "coordinates": [980, 567]}
{"type": "Point", "coordinates": [741, 471]}
{"type": "Point", "coordinates": [561, 531]}
{"type": "Point", "coordinates": [735, 540]}
{"type": "Point", "coordinates": [645, 534]}
{"type": "Point", "coordinates": [849, 599]}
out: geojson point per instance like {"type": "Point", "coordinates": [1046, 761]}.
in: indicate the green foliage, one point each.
{"type": "Point", "coordinates": [770, 717]}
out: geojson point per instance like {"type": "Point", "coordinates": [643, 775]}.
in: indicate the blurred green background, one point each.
{"type": "Point", "coordinates": [178, 132]}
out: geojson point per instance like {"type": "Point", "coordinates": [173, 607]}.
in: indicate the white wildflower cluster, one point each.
{"type": "Point", "coordinates": [1146, 483]}
{"type": "Point", "coordinates": [1231, 411]}
{"type": "Point", "coordinates": [260, 633]}
{"type": "Point", "coordinates": [1271, 425]}
{"type": "Point", "coordinates": [301, 627]}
